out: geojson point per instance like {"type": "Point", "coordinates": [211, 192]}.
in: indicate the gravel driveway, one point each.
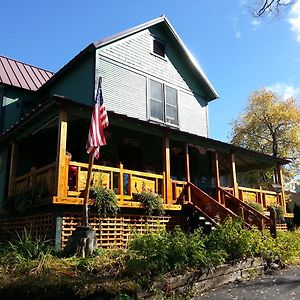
{"type": "Point", "coordinates": [278, 285]}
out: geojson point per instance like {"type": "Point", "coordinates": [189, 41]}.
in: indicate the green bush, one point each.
{"type": "Point", "coordinates": [150, 201]}
{"type": "Point", "coordinates": [284, 248]}
{"type": "Point", "coordinates": [149, 254]}
{"type": "Point", "coordinates": [234, 240]}
{"type": "Point", "coordinates": [106, 200]}
{"type": "Point", "coordinates": [157, 253]}
{"type": "Point", "coordinates": [256, 206]}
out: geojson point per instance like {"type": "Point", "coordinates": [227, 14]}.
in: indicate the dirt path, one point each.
{"type": "Point", "coordinates": [279, 285]}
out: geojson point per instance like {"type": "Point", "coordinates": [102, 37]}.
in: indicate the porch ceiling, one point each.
{"type": "Point", "coordinates": [44, 113]}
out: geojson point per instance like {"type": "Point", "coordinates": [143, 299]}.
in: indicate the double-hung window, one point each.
{"type": "Point", "coordinates": [163, 102]}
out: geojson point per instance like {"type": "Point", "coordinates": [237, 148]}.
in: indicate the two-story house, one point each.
{"type": "Point", "coordinates": [157, 100]}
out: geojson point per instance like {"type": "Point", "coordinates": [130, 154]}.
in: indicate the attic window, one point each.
{"type": "Point", "coordinates": [158, 48]}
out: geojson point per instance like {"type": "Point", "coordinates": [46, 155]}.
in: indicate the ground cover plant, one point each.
{"type": "Point", "coordinates": [29, 267]}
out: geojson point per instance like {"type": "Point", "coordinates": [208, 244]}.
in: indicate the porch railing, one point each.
{"type": "Point", "coordinates": [241, 208]}
{"type": "Point", "coordinates": [263, 197]}
{"type": "Point", "coordinates": [124, 182]}
{"type": "Point", "coordinates": [37, 178]}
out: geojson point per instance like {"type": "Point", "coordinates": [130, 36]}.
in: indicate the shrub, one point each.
{"type": "Point", "coordinates": [256, 206]}
{"type": "Point", "coordinates": [149, 254]}
{"type": "Point", "coordinates": [234, 240]}
{"type": "Point", "coordinates": [187, 250]}
{"type": "Point", "coordinates": [157, 253]}
{"type": "Point", "coordinates": [106, 200]}
{"type": "Point", "coordinates": [151, 202]}
{"type": "Point", "coordinates": [284, 248]}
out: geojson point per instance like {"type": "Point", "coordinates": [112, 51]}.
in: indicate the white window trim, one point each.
{"type": "Point", "coordinates": [164, 103]}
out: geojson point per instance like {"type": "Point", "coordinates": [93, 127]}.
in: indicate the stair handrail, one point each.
{"type": "Point", "coordinates": [225, 211]}
{"type": "Point", "coordinates": [247, 207]}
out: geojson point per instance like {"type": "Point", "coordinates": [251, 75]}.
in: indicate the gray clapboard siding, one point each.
{"type": "Point", "coordinates": [193, 116]}
{"type": "Point", "coordinates": [124, 91]}
{"type": "Point", "coordinates": [126, 65]}
{"type": "Point", "coordinates": [135, 52]}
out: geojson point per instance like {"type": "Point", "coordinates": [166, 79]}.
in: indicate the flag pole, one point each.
{"type": "Point", "coordinates": [85, 214]}
{"type": "Point", "coordinates": [96, 138]}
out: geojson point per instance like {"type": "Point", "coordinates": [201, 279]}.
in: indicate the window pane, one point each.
{"type": "Point", "coordinates": [156, 109]}
{"type": "Point", "coordinates": [156, 90]}
{"type": "Point", "coordinates": [171, 114]}
{"type": "Point", "coordinates": [171, 106]}
{"type": "Point", "coordinates": [171, 96]}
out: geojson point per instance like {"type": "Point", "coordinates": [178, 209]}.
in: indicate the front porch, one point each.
{"type": "Point", "coordinates": [186, 170]}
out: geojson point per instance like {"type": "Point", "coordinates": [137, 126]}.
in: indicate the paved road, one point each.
{"type": "Point", "coordinates": [279, 285]}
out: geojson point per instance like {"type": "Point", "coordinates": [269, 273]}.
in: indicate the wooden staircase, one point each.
{"type": "Point", "coordinates": [216, 213]}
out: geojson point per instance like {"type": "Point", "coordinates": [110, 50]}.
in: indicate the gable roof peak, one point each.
{"type": "Point", "coordinates": [212, 94]}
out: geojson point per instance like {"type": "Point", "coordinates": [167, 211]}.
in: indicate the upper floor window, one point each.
{"type": "Point", "coordinates": [158, 48]}
{"type": "Point", "coordinates": [163, 102]}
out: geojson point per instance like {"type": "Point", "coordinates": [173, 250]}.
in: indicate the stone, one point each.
{"type": "Point", "coordinates": [82, 242]}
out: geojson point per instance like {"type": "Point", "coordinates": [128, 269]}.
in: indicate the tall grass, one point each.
{"type": "Point", "coordinates": [25, 248]}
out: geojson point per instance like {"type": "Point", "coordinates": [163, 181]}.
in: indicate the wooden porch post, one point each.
{"type": "Point", "coordinates": [187, 170]}
{"type": "Point", "coordinates": [167, 169]}
{"type": "Point", "coordinates": [281, 183]}
{"type": "Point", "coordinates": [61, 162]}
{"type": "Point", "coordinates": [217, 177]}
{"type": "Point", "coordinates": [233, 176]}
{"type": "Point", "coordinates": [12, 169]}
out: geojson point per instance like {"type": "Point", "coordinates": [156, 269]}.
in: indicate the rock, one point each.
{"type": "Point", "coordinates": [82, 242]}
{"type": "Point", "coordinates": [274, 266]}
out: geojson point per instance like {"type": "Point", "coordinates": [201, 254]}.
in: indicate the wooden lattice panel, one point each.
{"type": "Point", "coordinates": [116, 231]}
{"type": "Point", "coordinates": [37, 225]}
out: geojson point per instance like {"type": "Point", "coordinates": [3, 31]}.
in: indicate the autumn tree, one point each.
{"type": "Point", "coordinates": [270, 125]}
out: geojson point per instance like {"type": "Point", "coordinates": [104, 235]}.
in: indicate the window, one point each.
{"type": "Point", "coordinates": [163, 102]}
{"type": "Point", "coordinates": [158, 48]}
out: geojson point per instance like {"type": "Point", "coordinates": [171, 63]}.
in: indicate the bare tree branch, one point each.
{"type": "Point", "coordinates": [266, 7]}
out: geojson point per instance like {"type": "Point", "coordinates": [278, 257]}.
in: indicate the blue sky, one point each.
{"type": "Point", "coordinates": [238, 53]}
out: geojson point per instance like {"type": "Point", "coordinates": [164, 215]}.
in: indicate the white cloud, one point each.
{"type": "Point", "coordinates": [235, 22]}
{"type": "Point", "coordinates": [294, 19]}
{"type": "Point", "coordinates": [285, 90]}
{"type": "Point", "coordinates": [255, 24]}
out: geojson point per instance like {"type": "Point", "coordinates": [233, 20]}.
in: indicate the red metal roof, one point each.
{"type": "Point", "coordinates": [22, 75]}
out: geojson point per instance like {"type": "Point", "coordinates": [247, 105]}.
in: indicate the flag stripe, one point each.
{"type": "Point", "coordinates": [99, 122]}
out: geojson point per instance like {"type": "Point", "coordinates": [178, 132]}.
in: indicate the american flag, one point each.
{"type": "Point", "coordinates": [99, 122]}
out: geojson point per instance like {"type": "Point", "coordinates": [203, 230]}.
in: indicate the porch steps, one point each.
{"type": "Point", "coordinates": [213, 213]}
{"type": "Point", "coordinates": [207, 207]}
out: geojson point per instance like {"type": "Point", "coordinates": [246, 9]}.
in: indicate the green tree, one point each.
{"type": "Point", "coordinates": [270, 125]}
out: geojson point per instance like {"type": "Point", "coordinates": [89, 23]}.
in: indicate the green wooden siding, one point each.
{"type": "Point", "coordinates": [3, 174]}
{"type": "Point", "coordinates": [77, 83]}
{"type": "Point", "coordinates": [14, 101]}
